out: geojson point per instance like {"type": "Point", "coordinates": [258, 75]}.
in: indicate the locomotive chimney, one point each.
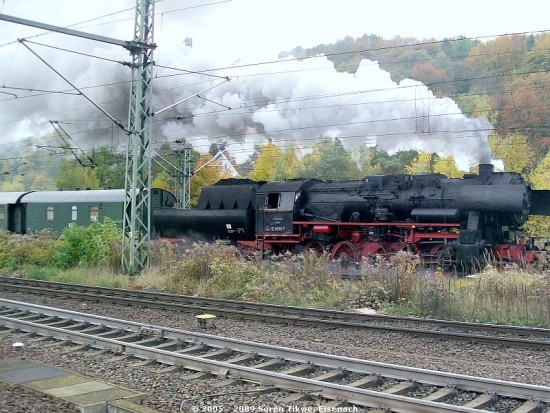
{"type": "Point", "coordinates": [486, 169]}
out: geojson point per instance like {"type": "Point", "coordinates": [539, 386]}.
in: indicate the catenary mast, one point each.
{"type": "Point", "coordinates": [137, 212]}
{"type": "Point", "coordinates": [137, 206]}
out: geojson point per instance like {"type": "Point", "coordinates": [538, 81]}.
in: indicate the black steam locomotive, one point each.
{"type": "Point", "coordinates": [452, 223]}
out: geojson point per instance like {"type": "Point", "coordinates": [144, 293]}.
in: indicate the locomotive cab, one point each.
{"type": "Point", "coordinates": [276, 203]}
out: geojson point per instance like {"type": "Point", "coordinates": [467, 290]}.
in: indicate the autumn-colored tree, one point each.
{"type": "Point", "coordinates": [537, 59]}
{"type": "Point", "coordinates": [290, 167]}
{"type": "Point", "coordinates": [495, 63]}
{"type": "Point", "coordinates": [478, 106]}
{"type": "Point", "coordinates": [207, 175]}
{"type": "Point", "coordinates": [366, 157]}
{"type": "Point", "coordinates": [270, 157]}
{"type": "Point", "coordinates": [514, 151]}
{"type": "Point", "coordinates": [525, 107]}
{"type": "Point", "coordinates": [163, 180]}
{"type": "Point", "coordinates": [447, 167]}
{"type": "Point", "coordinates": [431, 75]}
{"type": "Point", "coordinates": [422, 164]}
{"type": "Point", "coordinates": [12, 185]}
{"type": "Point", "coordinates": [538, 226]}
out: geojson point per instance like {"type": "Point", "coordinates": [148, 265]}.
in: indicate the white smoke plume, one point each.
{"type": "Point", "coordinates": [298, 102]}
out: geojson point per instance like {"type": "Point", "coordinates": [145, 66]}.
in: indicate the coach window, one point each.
{"type": "Point", "coordinates": [74, 213]}
{"type": "Point", "coordinates": [94, 213]}
{"type": "Point", "coordinates": [49, 213]}
{"type": "Point", "coordinates": [2, 212]}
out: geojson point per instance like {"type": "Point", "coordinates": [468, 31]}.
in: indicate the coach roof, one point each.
{"type": "Point", "coordinates": [10, 197]}
{"type": "Point", "coordinates": [91, 196]}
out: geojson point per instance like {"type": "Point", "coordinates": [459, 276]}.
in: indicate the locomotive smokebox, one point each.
{"type": "Point", "coordinates": [486, 169]}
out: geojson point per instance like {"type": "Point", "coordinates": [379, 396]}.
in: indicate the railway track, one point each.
{"type": "Point", "coordinates": [513, 336]}
{"type": "Point", "coordinates": [324, 376]}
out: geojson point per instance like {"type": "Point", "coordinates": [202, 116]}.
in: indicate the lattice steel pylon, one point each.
{"type": "Point", "coordinates": [183, 176]}
{"type": "Point", "coordinates": [136, 241]}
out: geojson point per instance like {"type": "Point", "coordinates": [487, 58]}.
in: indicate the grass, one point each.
{"type": "Point", "coordinates": [398, 287]}
{"type": "Point", "coordinates": [101, 277]}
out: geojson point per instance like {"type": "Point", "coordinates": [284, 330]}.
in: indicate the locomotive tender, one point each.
{"type": "Point", "coordinates": [452, 223]}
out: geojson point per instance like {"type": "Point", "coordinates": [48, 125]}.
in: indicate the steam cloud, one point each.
{"type": "Point", "coordinates": [303, 101]}
{"type": "Point", "coordinates": [294, 103]}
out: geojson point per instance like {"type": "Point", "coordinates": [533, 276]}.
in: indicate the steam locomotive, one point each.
{"type": "Point", "coordinates": [451, 223]}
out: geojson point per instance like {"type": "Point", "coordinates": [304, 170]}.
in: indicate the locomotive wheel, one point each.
{"type": "Point", "coordinates": [445, 258]}
{"type": "Point", "coordinates": [371, 250]}
{"type": "Point", "coordinates": [345, 252]}
{"type": "Point", "coordinates": [315, 246]}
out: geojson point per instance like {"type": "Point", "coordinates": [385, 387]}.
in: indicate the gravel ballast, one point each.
{"type": "Point", "coordinates": [167, 391]}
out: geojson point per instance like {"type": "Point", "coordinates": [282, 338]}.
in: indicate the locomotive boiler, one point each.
{"type": "Point", "coordinates": [452, 223]}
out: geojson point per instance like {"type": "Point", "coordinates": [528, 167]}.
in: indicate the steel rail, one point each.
{"type": "Point", "coordinates": [463, 382]}
{"type": "Point", "coordinates": [520, 330]}
{"type": "Point", "coordinates": [328, 390]}
{"type": "Point", "coordinates": [289, 315]}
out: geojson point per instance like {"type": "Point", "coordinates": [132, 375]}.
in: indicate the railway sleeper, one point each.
{"type": "Point", "coordinates": [242, 359]}
{"type": "Point", "coordinates": [149, 341]}
{"type": "Point", "coordinates": [167, 346]}
{"type": "Point", "coordinates": [272, 364]}
{"type": "Point", "coordinates": [482, 401]}
{"type": "Point", "coordinates": [218, 354]}
{"type": "Point", "coordinates": [369, 381]}
{"type": "Point", "coordinates": [529, 406]}
{"type": "Point", "coordinates": [197, 348]}
{"type": "Point", "coordinates": [402, 388]}
{"type": "Point", "coordinates": [442, 394]}
{"type": "Point", "coordinates": [299, 370]}
{"type": "Point", "coordinates": [332, 375]}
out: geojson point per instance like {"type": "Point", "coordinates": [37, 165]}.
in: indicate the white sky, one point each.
{"type": "Point", "coordinates": [259, 29]}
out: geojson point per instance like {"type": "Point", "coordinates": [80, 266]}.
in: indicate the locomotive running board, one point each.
{"type": "Point", "coordinates": [540, 203]}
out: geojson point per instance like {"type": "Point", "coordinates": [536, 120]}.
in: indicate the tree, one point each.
{"type": "Point", "coordinates": [270, 157]}
{"type": "Point", "coordinates": [495, 63]}
{"type": "Point", "coordinates": [392, 164]}
{"type": "Point", "coordinates": [12, 185]}
{"type": "Point", "coordinates": [524, 108]}
{"type": "Point", "coordinates": [208, 175]}
{"type": "Point", "coordinates": [422, 164]}
{"type": "Point", "coordinates": [431, 75]}
{"type": "Point", "coordinates": [447, 167]}
{"type": "Point", "coordinates": [110, 167]}
{"type": "Point", "coordinates": [538, 226]}
{"type": "Point", "coordinates": [477, 105]}
{"type": "Point", "coordinates": [514, 151]}
{"type": "Point", "coordinates": [538, 57]}
{"type": "Point", "coordinates": [290, 167]}
{"type": "Point", "coordinates": [366, 158]}
{"type": "Point", "coordinates": [163, 180]}
{"type": "Point", "coordinates": [73, 176]}
{"type": "Point", "coordinates": [330, 161]}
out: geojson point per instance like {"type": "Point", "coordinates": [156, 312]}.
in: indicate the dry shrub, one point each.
{"type": "Point", "coordinates": [304, 279]}
{"type": "Point", "coordinates": [34, 249]}
{"type": "Point", "coordinates": [512, 296]}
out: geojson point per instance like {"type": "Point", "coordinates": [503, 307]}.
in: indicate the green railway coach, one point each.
{"type": "Point", "coordinates": [11, 216]}
{"type": "Point", "coordinates": [32, 211]}
{"type": "Point", "coordinates": [56, 210]}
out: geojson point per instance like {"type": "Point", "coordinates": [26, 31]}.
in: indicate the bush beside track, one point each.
{"type": "Point", "coordinates": [92, 255]}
